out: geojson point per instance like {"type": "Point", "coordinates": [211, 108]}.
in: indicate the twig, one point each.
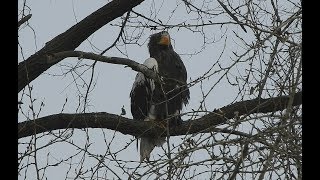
{"type": "Point", "coordinates": [24, 19]}
{"type": "Point", "coordinates": [233, 16]}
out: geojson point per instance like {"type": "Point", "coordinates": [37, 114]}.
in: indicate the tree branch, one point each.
{"type": "Point", "coordinates": [31, 68]}
{"type": "Point", "coordinates": [52, 59]}
{"type": "Point", "coordinates": [138, 128]}
{"type": "Point", "coordinates": [233, 16]}
{"type": "Point", "coordinates": [24, 19]}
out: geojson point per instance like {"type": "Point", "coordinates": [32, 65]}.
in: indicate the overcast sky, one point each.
{"type": "Point", "coordinates": [113, 82]}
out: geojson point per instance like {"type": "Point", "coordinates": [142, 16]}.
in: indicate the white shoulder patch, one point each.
{"type": "Point", "coordinates": [152, 64]}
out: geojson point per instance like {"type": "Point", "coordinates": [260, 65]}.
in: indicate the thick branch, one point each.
{"type": "Point", "coordinates": [113, 60]}
{"type": "Point", "coordinates": [137, 128]}
{"type": "Point", "coordinates": [31, 68]}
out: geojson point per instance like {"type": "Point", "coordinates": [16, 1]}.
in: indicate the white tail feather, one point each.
{"type": "Point", "coordinates": [147, 145]}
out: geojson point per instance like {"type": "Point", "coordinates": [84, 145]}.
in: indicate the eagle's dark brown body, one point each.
{"type": "Point", "coordinates": [160, 101]}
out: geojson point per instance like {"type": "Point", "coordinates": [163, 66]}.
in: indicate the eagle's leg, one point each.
{"type": "Point", "coordinates": [176, 119]}
{"type": "Point", "coordinates": [149, 119]}
{"type": "Point", "coordinates": [151, 115]}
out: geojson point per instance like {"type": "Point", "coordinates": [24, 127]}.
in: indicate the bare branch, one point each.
{"type": "Point", "coordinates": [233, 16]}
{"type": "Point", "coordinates": [113, 60]}
{"type": "Point", "coordinates": [31, 68]}
{"type": "Point", "coordinates": [24, 19]}
{"type": "Point", "coordinates": [257, 134]}
{"type": "Point", "coordinates": [243, 154]}
{"type": "Point", "coordinates": [137, 128]}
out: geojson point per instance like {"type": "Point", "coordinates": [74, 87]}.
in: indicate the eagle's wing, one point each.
{"type": "Point", "coordinates": [141, 107]}
{"type": "Point", "coordinates": [142, 91]}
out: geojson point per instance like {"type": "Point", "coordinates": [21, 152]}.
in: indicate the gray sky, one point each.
{"type": "Point", "coordinates": [114, 82]}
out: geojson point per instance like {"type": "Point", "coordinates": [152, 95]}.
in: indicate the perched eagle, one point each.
{"type": "Point", "coordinates": [154, 101]}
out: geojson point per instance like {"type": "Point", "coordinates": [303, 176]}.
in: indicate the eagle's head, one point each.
{"type": "Point", "coordinates": [159, 41]}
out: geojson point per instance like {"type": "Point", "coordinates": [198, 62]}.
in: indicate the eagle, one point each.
{"type": "Point", "coordinates": [163, 100]}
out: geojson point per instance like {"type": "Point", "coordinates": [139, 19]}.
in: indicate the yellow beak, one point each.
{"type": "Point", "coordinates": [165, 40]}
